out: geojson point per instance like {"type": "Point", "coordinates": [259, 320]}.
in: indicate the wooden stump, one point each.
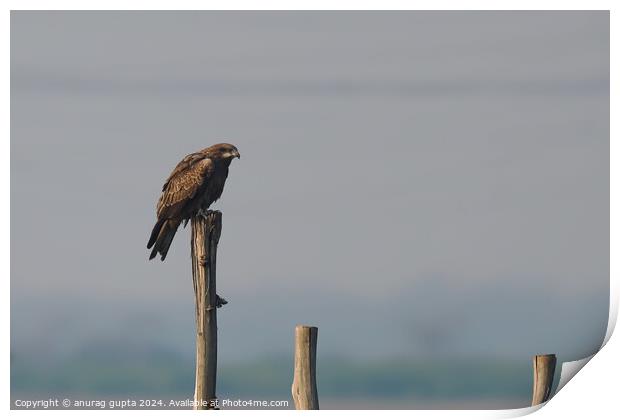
{"type": "Point", "coordinates": [304, 391]}
{"type": "Point", "coordinates": [206, 232]}
{"type": "Point", "coordinates": [544, 369]}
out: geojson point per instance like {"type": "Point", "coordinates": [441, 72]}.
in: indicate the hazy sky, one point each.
{"type": "Point", "coordinates": [438, 181]}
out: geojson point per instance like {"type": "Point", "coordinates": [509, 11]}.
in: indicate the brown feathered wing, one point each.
{"type": "Point", "coordinates": [179, 200]}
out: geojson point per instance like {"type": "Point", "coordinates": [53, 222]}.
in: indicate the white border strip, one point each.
{"type": "Point", "coordinates": [568, 369]}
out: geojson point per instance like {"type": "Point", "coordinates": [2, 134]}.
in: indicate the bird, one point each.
{"type": "Point", "coordinates": [195, 183]}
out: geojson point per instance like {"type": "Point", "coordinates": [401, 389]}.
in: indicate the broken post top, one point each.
{"type": "Point", "coordinates": [300, 327]}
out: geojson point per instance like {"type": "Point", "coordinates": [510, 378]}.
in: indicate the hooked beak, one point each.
{"type": "Point", "coordinates": [237, 154]}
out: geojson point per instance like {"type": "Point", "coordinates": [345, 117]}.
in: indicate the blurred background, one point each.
{"type": "Point", "coordinates": [430, 189]}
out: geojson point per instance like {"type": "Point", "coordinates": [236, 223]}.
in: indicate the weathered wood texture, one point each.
{"type": "Point", "coordinates": [206, 232]}
{"type": "Point", "coordinates": [304, 391]}
{"type": "Point", "coordinates": [544, 369]}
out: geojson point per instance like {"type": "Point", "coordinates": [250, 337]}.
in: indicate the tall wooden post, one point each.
{"type": "Point", "coordinates": [206, 232]}
{"type": "Point", "coordinates": [304, 391]}
{"type": "Point", "coordinates": [544, 369]}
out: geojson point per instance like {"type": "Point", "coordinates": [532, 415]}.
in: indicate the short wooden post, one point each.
{"type": "Point", "coordinates": [544, 369]}
{"type": "Point", "coordinates": [304, 391]}
{"type": "Point", "coordinates": [206, 232]}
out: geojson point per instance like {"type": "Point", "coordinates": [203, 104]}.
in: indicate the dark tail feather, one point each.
{"type": "Point", "coordinates": [155, 233]}
{"type": "Point", "coordinates": [162, 236]}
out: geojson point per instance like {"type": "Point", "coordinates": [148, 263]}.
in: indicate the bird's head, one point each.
{"type": "Point", "coordinates": [224, 151]}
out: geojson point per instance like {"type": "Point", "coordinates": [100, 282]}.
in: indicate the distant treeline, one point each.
{"type": "Point", "coordinates": [164, 374]}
